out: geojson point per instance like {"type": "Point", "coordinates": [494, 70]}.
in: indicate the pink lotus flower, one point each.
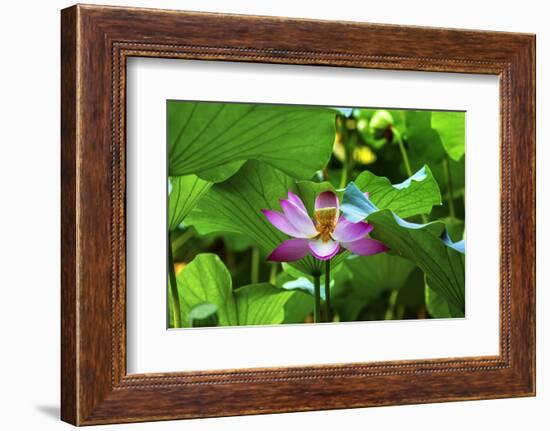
{"type": "Point", "coordinates": [324, 236]}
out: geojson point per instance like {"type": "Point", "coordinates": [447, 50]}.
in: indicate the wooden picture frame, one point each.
{"type": "Point", "coordinates": [95, 43]}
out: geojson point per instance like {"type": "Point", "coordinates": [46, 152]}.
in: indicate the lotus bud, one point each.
{"type": "Point", "coordinates": [380, 123]}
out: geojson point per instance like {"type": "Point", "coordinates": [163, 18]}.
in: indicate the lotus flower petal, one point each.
{"type": "Point", "coordinates": [295, 199]}
{"type": "Point", "coordinates": [347, 231]}
{"type": "Point", "coordinates": [365, 246]}
{"type": "Point", "coordinates": [327, 199]}
{"type": "Point", "coordinates": [324, 235]}
{"type": "Point", "coordinates": [298, 218]}
{"type": "Point", "coordinates": [279, 220]}
{"type": "Point", "coordinates": [324, 250]}
{"type": "Point", "coordinates": [290, 250]}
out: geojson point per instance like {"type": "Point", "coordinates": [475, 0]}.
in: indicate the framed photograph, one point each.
{"type": "Point", "coordinates": [260, 217]}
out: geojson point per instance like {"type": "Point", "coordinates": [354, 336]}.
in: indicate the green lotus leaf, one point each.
{"type": "Point", "coordinates": [186, 192]}
{"type": "Point", "coordinates": [213, 140]}
{"type": "Point", "coordinates": [451, 127]}
{"type": "Point", "coordinates": [206, 280]}
{"type": "Point", "coordinates": [416, 195]}
{"type": "Point", "coordinates": [368, 278]}
{"type": "Point", "coordinates": [438, 307]}
{"type": "Point", "coordinates": [442, 265]}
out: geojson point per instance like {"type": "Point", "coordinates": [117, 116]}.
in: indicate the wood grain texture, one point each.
{"type": "Point", "coordinates": [96, 41]}
{"type": "Point", "coordinates": [69, 397]}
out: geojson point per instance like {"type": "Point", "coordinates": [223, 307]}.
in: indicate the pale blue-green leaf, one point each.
{"type": "Point", "coordinates": [203, 315]}
{"type": "Point", "coordinates": [306, 285]}
{"type": "Point", "coordinates": [459, 246]}
{"type": "Point", "coordinates": [355, 206]}
{"type": "Point", "coordinates": [346, 112]}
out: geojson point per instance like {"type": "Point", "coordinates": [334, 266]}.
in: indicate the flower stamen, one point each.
{"type": "Point", "coordinates": [325, 222]}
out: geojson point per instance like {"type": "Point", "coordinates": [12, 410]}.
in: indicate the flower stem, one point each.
{"type": "Point", "coordinates": [392, 302]}
{"type": "Point", "coordinates": [450, 193]}
{"type": "Point", "coordinates": [255, 266]}
{"type": "Point", "coordinates": [176, 309]}
{"type": "Point", "coordinates": [182, 239]}
{"type": "Point", "coordinates": [273, 272]}
{"type": "Point", "coordinates": [404, 155]}
{"type": "Point", "coordinates": [344, 177]}
{"type": "Point", "coordinates": [395, 311]}
{"type": "Point", "coordinates": [350, 142]}
{"type": "Point", "coordinates": [317, 303]}
{"type": "Point", "coordinates": [328, 313]}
